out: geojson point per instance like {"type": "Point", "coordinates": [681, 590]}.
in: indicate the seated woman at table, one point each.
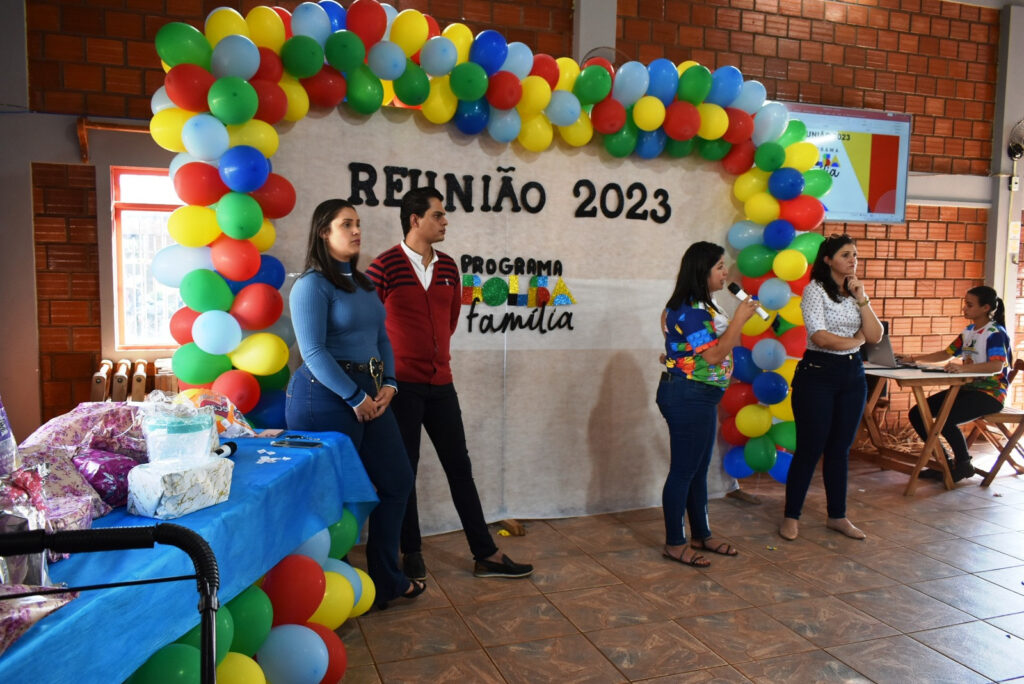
{"type": "Point", "coordinates": [346, 381]}
{"type": "Point", "coordinates": [829, 389]}
{"type": "Point", "coordinates": [984, 347]}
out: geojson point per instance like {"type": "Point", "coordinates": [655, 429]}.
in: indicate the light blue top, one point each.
{"type": "Point", "coordinates": [332, 325]}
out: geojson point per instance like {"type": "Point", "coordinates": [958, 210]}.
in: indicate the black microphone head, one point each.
{"type": "Point", "coordinates": [734, 288]}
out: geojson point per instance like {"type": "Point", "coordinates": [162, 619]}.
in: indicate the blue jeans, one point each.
{"type": "Point", "coordinates": [829, 392]}
{"type": "Point", "coordinates": [311, 406]}
{"type": "Point", "coordinates": [691, 410]}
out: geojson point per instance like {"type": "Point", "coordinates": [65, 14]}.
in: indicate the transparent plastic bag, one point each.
{"type": "Point", "coordinates": [178, 431]}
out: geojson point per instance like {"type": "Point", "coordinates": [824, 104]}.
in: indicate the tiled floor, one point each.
{"type": "Point", "coordinates": [936, 593]}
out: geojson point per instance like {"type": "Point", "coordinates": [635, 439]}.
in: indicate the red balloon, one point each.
{"type": "Point", "coordinates": [546, 67]}
{"type": "Point", "coordinates": [601, 62]}
{"type": "Point", "coordinates": [368, 20]}
{"type": "Point", "coordinates": [295, 587]}
{"type": "Point", "coordinates": [337, 656]}
{"type": "Point", "coordinates": [753, 285]}
{"type": "Point", "coordinates": [257, 306]}
{"type": "Point", "coordinates": [286, 17]}
{"type": "Point", "coordinates": [199, 183]}
{"type": "Point", "coordinates": [187, 85]}
{"type": "Point", "coordinates": [682, 120]}
{"type": "Point", "coordinates": [504, 90]}
{"type": "Point", "coordinates": [273, 103]}
{"type": "Point", "coordinates": [271, 67]}
{"type": "Point", "coordinates": [795, 341]}
{"type": "Point", "coordinates": [235, 259]}
{"type": "Point", "coordinates": [804, 212]}
{"type": "Point", "coordinates": [740, 158]}
{"type": "Point", "coordinates": [240, 387]}
{"type": "Point", "coordinates": [182, 386]}
{"type": "Point", "coordinates": [741, 126]}
{"type": "Point", "coordinates": [608, 116]}
{"type": "Point", "coordinates": [181, 324]}
{"type": "Point", "coordinates": [797, 286]}
{"type": "Point", "coordinates": [276, 197]}
{"type": "Point", "coordinates": [750, 340]}
{"type": "Point", "coordinates": [326, 88]}
{"type": "Point", "coordinates": [731, 434]}
{"type": "Point", "coordinates": [738, 395]}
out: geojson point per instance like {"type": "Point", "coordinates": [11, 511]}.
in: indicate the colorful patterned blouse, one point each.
{"type": "Point", "coordinates": [690, 330]}
{"type": "Point", "coordinates": [990, 343]}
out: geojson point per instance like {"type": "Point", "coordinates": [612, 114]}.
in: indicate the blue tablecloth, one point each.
{"type": "Point", "coordinates": [105, 635]}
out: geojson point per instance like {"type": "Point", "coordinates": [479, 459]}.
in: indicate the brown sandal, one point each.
{"type": "Point", "coordinates": [696, 560]}
{"type": "Point", "coordinates": [723, 549]}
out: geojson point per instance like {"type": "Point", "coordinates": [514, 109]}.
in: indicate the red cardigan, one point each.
{"type": "Point", "coordinates": [419, 322]}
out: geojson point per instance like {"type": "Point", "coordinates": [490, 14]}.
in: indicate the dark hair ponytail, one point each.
{"type": "Point", "coordinates": [987, 296]}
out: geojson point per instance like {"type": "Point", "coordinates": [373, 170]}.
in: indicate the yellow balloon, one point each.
{"type": "Point", "coordinates": [239, 669]}
{"type": "Point", "coordinates": [367, 597]}
{"type": "Point", "coordinates": [266, 238]}
{"type": "Point", "coordinates": [223, 22]}
{"type": "Point", "coordinates": [801, 156]}
{"type": "Point", "coordinates": [439, 107]}
{"type": "Point", "coordinates": [648, 113]}
{"type": "Point", "coordinates": [784, 409]}
{"type": "Point", "coordinates": [787, 369]}
{"type": "Point", "coordinates": [260, 354]}
{"type": "Point", "coordinates": [165, 66]}
{"type": "Point", "coordinates": [193, 226]}
{"type": "Point", "coordinates": [463, 39]}
{"type": "Point", "coordinates": [578, 134]}
{"type": "Point", "coordinates": [568, 72]}
{"type": "Point", "coordinates": [792, 311]}
{"type": "Point", "coordinates": [389, 93]}
{"type": "Point", "coordinates": [789, 264]}
{"type": "Point", "coordinates": [255, 133]}
{"type": "Point", "coordinates": [166, 125]}
{"type": "Point", "coordinates": [536, 96]}
{"type": "Point", "coordinates": [761, 208]}
{"type": "Point", "coordinates": [298, 98]}
{"type": "Point", "coordinates": [713, 121]}
{"type": "Point", "coordinates": [536, 133]}
{"type": "Point", "coordinates": [753, 420]}
{"type": "Point", "coordinates": [756, 325]}
{"type": "Point", "coordinates": [409, 31]}
{"type": "Point", "coordinates": [749, 183]}
{"type": "Point", "coordinates": [337, 603]}
{"type": "Point", "coordinates": [683, 66]}
{"type": "Point", "coordinates": [266, 28]}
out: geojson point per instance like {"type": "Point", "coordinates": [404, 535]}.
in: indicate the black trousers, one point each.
{"type": "Point", "coordinates": [436, 408]}
{"type": "Point", "coordinates": [968, 405]}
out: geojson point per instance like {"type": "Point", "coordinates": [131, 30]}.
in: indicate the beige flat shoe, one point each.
{"type": "Point", "coordinates": [844, 526]}
{"type": "Point", "coordinates": [789, 529]}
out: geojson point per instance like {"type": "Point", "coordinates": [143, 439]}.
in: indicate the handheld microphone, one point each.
{"type": "Point", "coordinates": [738, 292]}
{"type": "Point", "coordinates": [224, 450]}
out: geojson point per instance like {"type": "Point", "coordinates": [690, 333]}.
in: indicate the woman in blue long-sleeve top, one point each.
{"type": "Point", "coordinates": [346, 381]}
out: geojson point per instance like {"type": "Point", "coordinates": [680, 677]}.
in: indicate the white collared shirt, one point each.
{"type": "Point", "coordinates": [424, 273]}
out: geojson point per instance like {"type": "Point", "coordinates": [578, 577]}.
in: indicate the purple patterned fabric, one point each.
{"type": "Point", "coordinates": [62, 479]}
{"type": "Point", "coordinates": [110, 426]}
{"type": "Point", "coordinates": [67, 513]}
{"type": "Point", "coordinates": [107, 473]}
{"type": "Point", "coordinates": [17, 615]}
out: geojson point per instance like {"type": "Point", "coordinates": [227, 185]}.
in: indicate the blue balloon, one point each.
{"type": "Point", "coordinates": [780, 471]}
{"type": "Point", "coordinates": [489, 50]}
{"type": "Point", "coordinates": [205, 137]}
{"type": "Point", "coordinates": [631, 82]}
{"type": "Point", "coordinates": [649, 144]}
{"type": "Point", "coordinates": [235, 55]}
{"type": "Point", "coordinates": [346, 571]}
{"type": "Point", "coordinates": [744, 234]}
{"type": "Point", "coordinates": [216, 332]}
{"type": "Point", "coordinates": [768, 354]}
{"type": "Point", "coordinates": [316, 547]}
{"type": "Point", "coordinates": [726, 83]}
{"type": "Point", "coordinates": [751, 97]}
{"type": "Point", "coordinates": [564, 108]}
{"type": "Point", "coordinates": [243, 168]}
{"type": "Point", "coordinates": [269, 411]}
{"type": "Point", "coordinates": [310, 19]}
{"type": "Point", "coordinates": [438, 56]}
{"type": "Point", "coordinates": [770, 388]}
{"type": "Point", "coordinates": [390, 12]}
{"type": "Point", "coordinates": [769, 123]}
{"type": "Point", "coordinates": [386, 60]}
{"type": "Point", "coordinates": [778, 234]}
{"type": "Point", "coordinates": [271, 273]}
{"type": "Point", "coordinates": [471, 117]}
{"type": "Point", "coordinates": [160, 100]}
{"type": "Point", "coordinates": [293, 654]}
{"type": "Point", "coordinates": [774, 294]}
{"type": "Point", "coordinates": [785, 183]}
{"type": "Point", "coordinates": [171, 263]}
{"type": "Point", "coordinates": [503, 124]}
{"type": "Point", "coordinates": [735, 463]}
{"type": "Point", "coordinates": [335, 12]}
{"type": "Point", "coordinates": [744, 368]}
{"type": "Point", "coordinates": [664, 80]}
{"type": "Point", "coordinates": [519, 60]}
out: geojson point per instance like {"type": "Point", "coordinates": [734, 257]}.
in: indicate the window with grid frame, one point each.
{"type": "Point", "coordinates": [142, 201]}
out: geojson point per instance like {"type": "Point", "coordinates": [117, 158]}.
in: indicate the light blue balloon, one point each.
{"type": "Point", "coordinates": [631, 82]}
{"type": "Point", "coordinates": [391, 13]}
{"type": "Point", "coordinates": [735, 463]}
{"type": "Point", "coordinates": [293, 654]}
{"type": "Point", "coordinates": [316, 547]}
{"type": "Point", "coordinates": [769, 123]}
{"type": "Point", "coordinates": [216, 332]}
{"type": "Point", "coordinates": [751, 97]}
{"type": "Point", "coordinates": [346, 571]}
{"type": "Point", "coordinates": [503, 125]}
{"type": "Point", "coordinates": [768, 354]}
{"type": "Point", "coordinates": [282, 327]}
{"type": "Point", "coordinates": [205, 137]}
{"type": "Point", "coordinates": [649, 144]}
{"type": "Point", "coordinates": [310, 19]}
{"type": "Point", "coordinates": [235, 55]}
{"type": "Point", "coordinates": [438, 56]}
{"type": "Point", "coordinates": [664, 80]}
{"type": "Point", "coordinates": [774, 294]}
{"type": "Point", "coordinates": [744, 234]}
{"type": "Point", "coordinates": [180, 160]}
{"type": "Point", "coordinates": [160, 100]}
{"type": "Point", "coordinates": [564, 108]}
{"type": "Point", "coordinates": [726, 83]}
{"type": "Point", "coordinates": [386, 60]}
{"type": "Point", "coordinates": [519, 60]}
{"type": "Point", "coordinates": [171, 263]}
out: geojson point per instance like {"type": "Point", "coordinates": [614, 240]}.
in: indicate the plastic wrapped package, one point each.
{"type": "Point", "coordinates": [110, 426]}
{"type": "Point", "coordinates": [17, 615]}
{"type": "Point", "coordinates": [106, 472]}
{"type": "Point", "coordinates": [62, 478]}
{"type": "Point", "coordinates": [168, 489]}
{"type": "Point", "coordinates": [178, 431]}
{"type": "Point", "coordinates": [67, 513]}
{"type": "Point", "coordinates": [231, 424]}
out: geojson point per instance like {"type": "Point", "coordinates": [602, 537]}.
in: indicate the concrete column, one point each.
{"type": "Point", "coordinates": [593, 26]}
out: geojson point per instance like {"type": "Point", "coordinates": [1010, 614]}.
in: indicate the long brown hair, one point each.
{"type": "Point", "coordinates": [822, 272]}
{"type": "Point", "coordinates": [319, 259]}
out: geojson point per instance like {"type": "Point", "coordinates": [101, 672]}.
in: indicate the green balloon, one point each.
{"type": "Point", "coordinates": [784, 434]}
{"type": "Point", "coordinates": [172, 664]}
{"type": "Point", "coordinates": [713, 150]}
{"type": "Point", "coordinates": [194, 366]}
{"type": "Point", "coordinates": [413, 86]}
{"type": "Point", "coordinates": [781, 325]}
{"type": "Point", "coordinates": [180, 43]}
{"type": "Point", "coordinates": [759, 453]}
{"type": "Point", "coordinates": [277, 381]}
{"type": "Point", "coordinates": [225, 633]}
{"type": "Point", "coordinates": [232, 100]}
{"type": "Point", "coordinates": [622, 142]}
{"type": "Point", "coordinates": [344, 534]}
{"type": "Point", "coordinates": [769, 156]}
{"type": "Point", "coordinates": [253, 616]}
{"type": "Point", "coordinates": [807, 244]}
{"type": "Point", "coordinates": [796, 131]}
{"type": "Point", "coordinates": [755, 260]}
{"type": "Point", "coordinates": [302, 56]}
{"type": "Point", "coordinates": [365, 92]}
{"type": "Point", "coordinates": [592, 85]}
{"type": "Point", "coordinates": [817, 182]}
{"type": "Point", "coordinates": [679, 148]}
{"type": "Point", "coordinates": [344, 50]}
{"type": "Point", "coordinates": [239, 215]}
{"type": "Point", "coordinates": [694, 84]}
{"type": "Point", "coordinates": [205, 290]}
{"type": "Point", "coordinates": [468, 81]}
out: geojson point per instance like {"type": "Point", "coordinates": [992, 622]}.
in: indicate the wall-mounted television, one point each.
{"type": "Point", "coordinates": [867, 153]}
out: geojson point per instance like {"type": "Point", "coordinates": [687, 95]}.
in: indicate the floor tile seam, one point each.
{"type": "Point", "coordinates": [848, 663]}
{"type": "Point", "coordinates": [458, 610]}
{"type": "Point", "coordinates": [970, 618]}
{"type": "Point", "coordinates": [972, 574]}
{"type": "Point", "coordinates": [481, 648]}
{"type": "Point", "coordinates": [711, 647]}
{"type": "Point", "coordinates": [961, 664]}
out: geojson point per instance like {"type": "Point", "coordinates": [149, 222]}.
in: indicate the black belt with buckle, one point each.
{"type": "Point", "coordinates": [374, 368]}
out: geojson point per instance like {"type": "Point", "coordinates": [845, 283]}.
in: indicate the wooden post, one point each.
{"type": "Point", "coordinates": [139, 380]}
{"type": "Point", "coordinates": [119, 390]}
{"type": "Point", "coordinates": [101, 381]}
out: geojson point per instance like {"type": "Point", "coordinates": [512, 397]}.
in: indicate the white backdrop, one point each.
{"type": "Point", "coordinates": [560, 423]}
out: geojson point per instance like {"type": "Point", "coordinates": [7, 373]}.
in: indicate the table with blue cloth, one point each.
{"type": "Point", "coordinates": [280, 496]}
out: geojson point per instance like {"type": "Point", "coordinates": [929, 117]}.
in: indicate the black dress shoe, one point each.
{"type": "Point", "coordinates": [413, 566]}
{"type": "Point", "coordinates": [933, 474]}
{"type": "Point", "coordinates": [416, 587]}
{"type": "Point", "coordinates": [506, 568]}
{"type": "Point", "coordinates": [962, 470]}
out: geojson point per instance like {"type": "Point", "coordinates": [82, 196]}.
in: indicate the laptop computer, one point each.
{"type": "Point", "coordinates": [881, 354]}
